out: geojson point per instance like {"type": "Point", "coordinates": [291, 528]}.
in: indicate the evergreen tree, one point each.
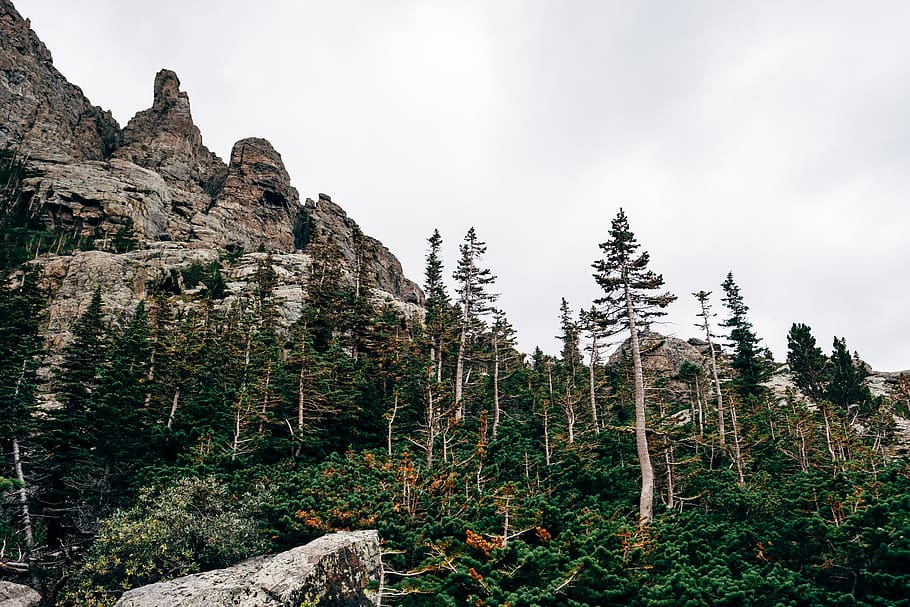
{"type": "Point", "coordinates": [750, 361]}
{"type": "Point", "coordinates": [569, 367]}
{"type": "Point", "coordinates": [502, 338]}
{"type": "Point", "coordinates": [68, 438]}
{"type": "Point", "coordinates": [21, 312]}
{"type": "Point", "coordinates": [847, 373]}
{"type": "Point", "coordinates": [438, 320]}
{"type": "Point", "coordinates": [475, 301]}
{"type": "Point", "coordinates": [629, 300]}
{"type": "Point", "coordinates": [117, 412]}
{"type": "Point", "coordinates": [806, 361]}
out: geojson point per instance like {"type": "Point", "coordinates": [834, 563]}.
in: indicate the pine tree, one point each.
{"type": "Point", "coordinates": [502, 337]}
{"type": "Point", "coordinates": [118, 415]}
{"type": "Point", "coordinates": [475, 301]}
{"type": "Point", "coordinates": [806, 361]}
{"type": "Point", "coordinates": [750, 361]}
{"type": "Point", "coordinates": [439, 325]}
{"type": "Point", "coordinates": [21, 312]}
{"type": "Point", "coordinates": [847, 373]}
{"type": "Point", "coordinates": [629, 301]}
{"type": "Point", "coordinates": [569, 366]}
{"type": "Point", "coordinates": [71, 464]}
{"type": "Point", "coordinates": [438, 320]}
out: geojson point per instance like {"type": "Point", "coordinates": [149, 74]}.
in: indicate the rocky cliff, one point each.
{"type": "Point", "coordinates": [154, 185]}
{"type": "Point", "coordinates": [332, 571]}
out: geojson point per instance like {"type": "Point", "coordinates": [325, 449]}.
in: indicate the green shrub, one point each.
{"type": "Point", "coordinates": [191, 526]}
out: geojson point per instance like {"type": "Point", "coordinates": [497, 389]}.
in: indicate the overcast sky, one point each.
{"type": "Point", "coordinates": [767, 138]}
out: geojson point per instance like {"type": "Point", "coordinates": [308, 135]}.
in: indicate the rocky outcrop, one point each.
{"type": "Point", "coordinates": [99, 199]}
{"type": "Point", "coordinates": [17, 595]}
{"type": "Point", "coordinates": [154, 202]}
{"type": "Point", "coordinates": [661, 355]}
{"type": "Point", "coordinates": [161, 267]}
{"type": "Point", "coordinates": [324, 217]}
{"type": "Point", "coordinates": [256, 207]}
{"type": "Point", "coordinates": [43, 115]}
{"type": "Point", "coordinates": [332, 571]}
{"type": "Point", "coordinates": [164, 139]}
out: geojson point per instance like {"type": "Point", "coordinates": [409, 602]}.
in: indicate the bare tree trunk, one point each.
{"type": "Point", "coordinates": [431, 427]}
{"type": "Point", "coordinates": [495, 383]}
{"type": "Point", "coordinates": [737, 450]}
{"type": "Point", "coordinates": [391, 422]}
{"type": "Point", "coordinates": [265, 396]}
{"type": "Point", "coordinates": [570, 415]}
{"type": "Point", "coordinates": [26, 516]}
{"type": "Point", "coordinates": [829, 442]}
{"type": "Point", "coordinates": [173, 413]}
{"type": "Point", "coordinates": [591, 386]}
{"type": "Point", "coordinates": [459, 374]}
{"type": "Point", "coordinates": [646, 500]}
{"type": "Point", "coordinates": [717, 392]}
{"type": "Point", "coordinates": [671, 485]}
{"type": "Point", "coordinates": [701, 409]}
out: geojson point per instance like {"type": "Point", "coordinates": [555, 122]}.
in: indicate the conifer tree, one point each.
{"type": "Point", "coordinates": [475, 301]}
{"type": "Point", "coordinates": [438, 325]}
{"type": "Point", "coordinates": [21, 312]}
{"type": "Point", "coordinates": [806, 361]}
{"type": "Point", "coordinates": [750, 361]}
{"type": "Point", "coordinates": [629, 301]}
{"type": "Point", "coordinates": [438, 305]}
{"type": "Point", "coordinates": [68, 439]}
{"type": "Point", "coordinates": [847, 373]}
{"type": "Point", "coordinates": [502, 337]}
{"type": "Point", "coordinates": [569, 367]}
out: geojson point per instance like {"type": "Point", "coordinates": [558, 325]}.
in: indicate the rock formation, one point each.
{"type": "Point", "coordinates": [155, 186]}
{"type": "Point", "coordinates": [661, 355]}
{"type": "Point", "coordinates": [255, 206]}
{"type": "Point", "coordinates": [17, 595]}
{"type": "Point", "coordinates": [323, 216]}
{"type": "Point", "coordinates": [332, 571]}
{"type": "Point", "coordinates": [43, 115]}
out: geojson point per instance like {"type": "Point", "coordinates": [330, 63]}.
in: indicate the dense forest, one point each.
{"type": "Point", "coordinates": [180, 438]}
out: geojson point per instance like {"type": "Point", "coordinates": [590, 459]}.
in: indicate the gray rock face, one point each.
{"type": "Point", "coordinates": [98, 199]}
{"type": "Point", "coordinates": [43, 115]}
{"type": "Point", "coordinates": [164, 139]}
{"type": "Point", "coordinates": [17, 595]}
{"type": "Point", "coordinates": [661, 356]}
{"type": "Point", "coordinates": [327, 218]}
{"type": "Point", "coordinates": [256, 205]}
{"type": "Point", "coordinates": [332, 571]}
{"type": "Point", "coordinates": [157, 184]}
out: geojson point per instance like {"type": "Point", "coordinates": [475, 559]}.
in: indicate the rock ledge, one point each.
{"type": "Point", "coordinates": [332, 571]}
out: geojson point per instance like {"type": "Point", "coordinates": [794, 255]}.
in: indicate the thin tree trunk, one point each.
{"type": "Point", "coordinates": [173, 413]}
{"type": "Point", "coordinates": [737, 450]}
{"type": "Point", "coordinates": [646, 500]}
{"type": "Point", "coordinates": [591, 385]}
{"type": "Point", "coordinates": [495, 383]}
{"type": "Point", "coordinates": [459, 374]}
{"type": "Point", "coordinates": [26, 516]}
{"type": "Point", "coordinates": [671, 485]}
{"type": "Point", "coordinates": [391, 422]}
{"type": "Point", "coordinates": [717, 392]}
{"type": "Point", "coordinates": [431, 427]}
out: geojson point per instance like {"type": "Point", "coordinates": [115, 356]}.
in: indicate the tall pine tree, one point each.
{"type": "Point", "coordinates": [631, 298]}
{"type": "Point", "coordinates": [750, 361]}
